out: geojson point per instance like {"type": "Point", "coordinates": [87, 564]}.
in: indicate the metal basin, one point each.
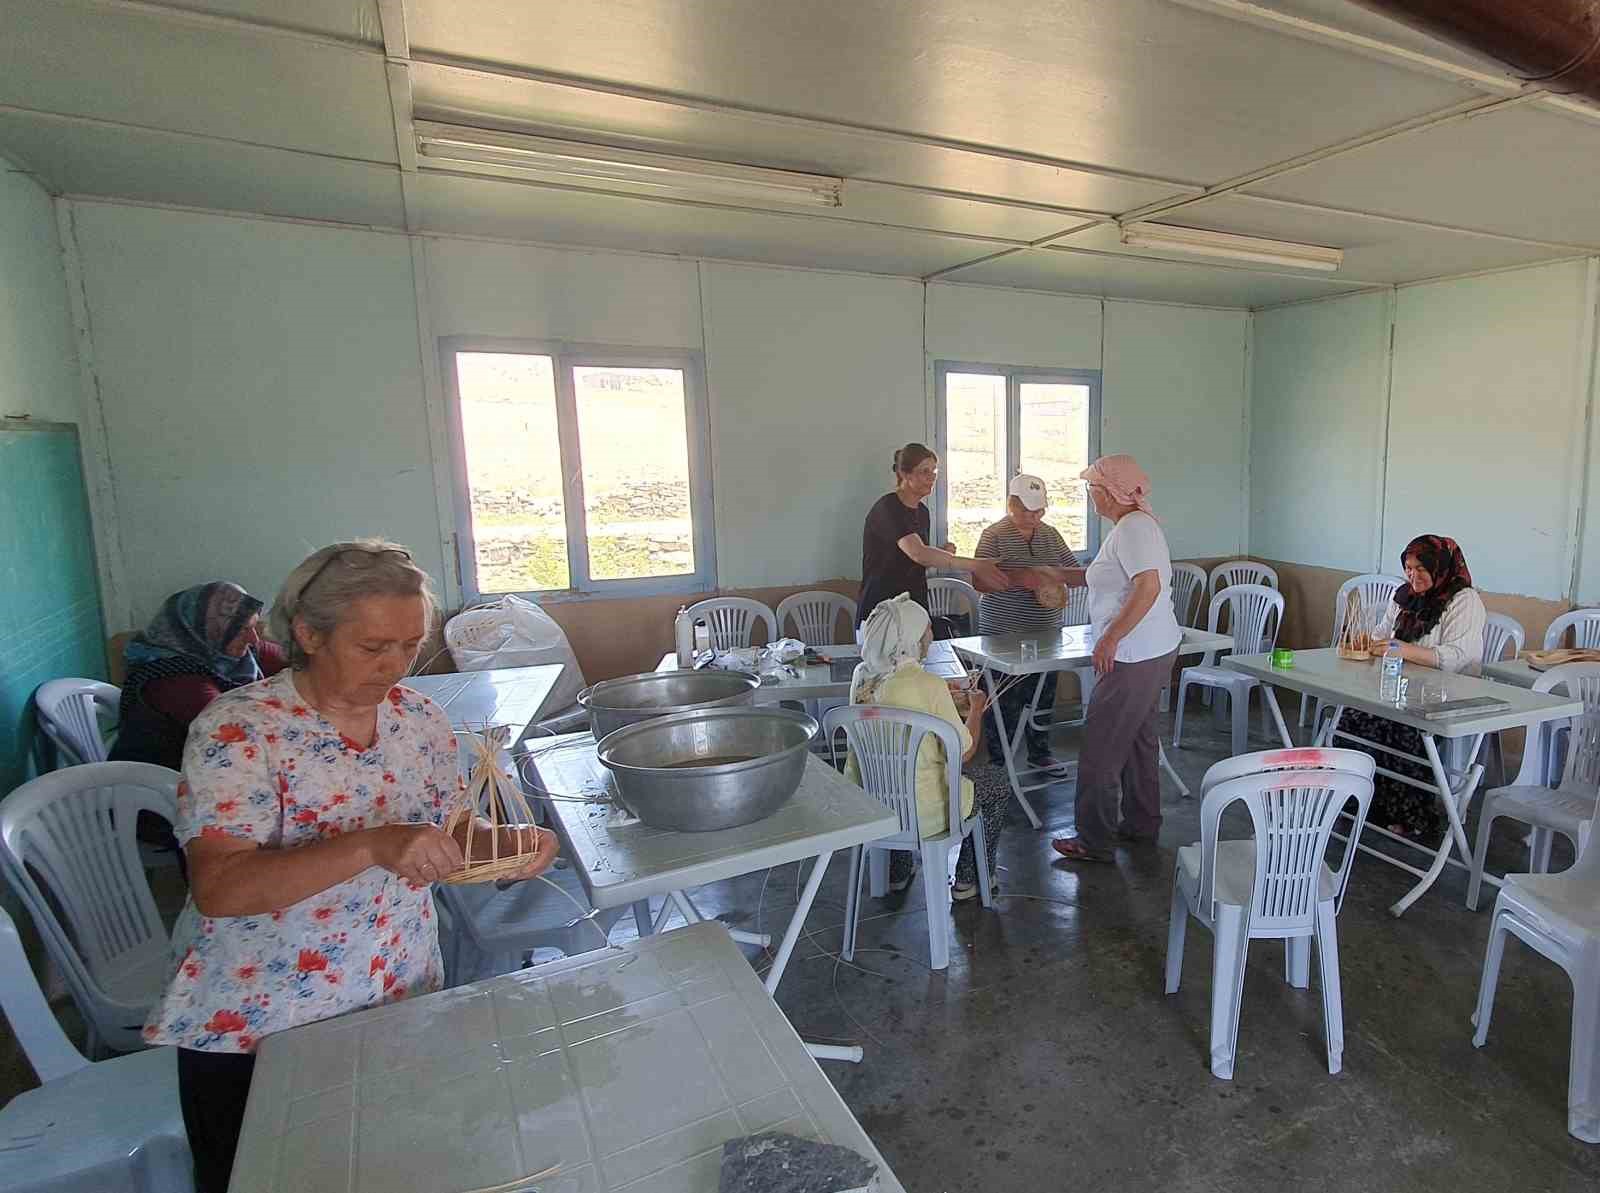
{"type": "Point", "coordinates": [613, 703]}
{"type": "Point", "coordinates": [661, 772]}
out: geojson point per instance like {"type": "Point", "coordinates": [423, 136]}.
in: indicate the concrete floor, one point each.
{"type": "Point", "coordinates": [1048, 1057]}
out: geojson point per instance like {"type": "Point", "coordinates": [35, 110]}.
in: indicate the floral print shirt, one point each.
{"type": "Point", "coordinates": [262, 765]}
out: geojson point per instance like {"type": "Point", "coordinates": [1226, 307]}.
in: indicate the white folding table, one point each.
{"type": "Point", "coordinates": [1341, 683]}
{"type": "Point", "coordinates": [503, 696]}
{"type": "Point", "coordinates": [1000, 658]}
{"type": "Point", "coordinates": [816, 682]}
{"type": "Point", "coordinates": [620, 864]}
{"type": "Point", "coordinates": [617, 1071]}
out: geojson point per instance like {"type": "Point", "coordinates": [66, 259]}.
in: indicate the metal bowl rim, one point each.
{"type": "Point", "coordinates": [604, 747]}
{"type": "Point", "coordinates": [585, 698]}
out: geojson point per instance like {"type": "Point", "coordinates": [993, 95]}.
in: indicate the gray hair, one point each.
{"type": "Point", "coordinates": [320, 591]}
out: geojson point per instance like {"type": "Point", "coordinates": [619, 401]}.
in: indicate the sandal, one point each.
{"type": "Point", "coordinates": [1074, 850]}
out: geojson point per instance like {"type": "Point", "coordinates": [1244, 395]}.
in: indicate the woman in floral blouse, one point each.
{"type": "Point", "coordinates": [310, 814]}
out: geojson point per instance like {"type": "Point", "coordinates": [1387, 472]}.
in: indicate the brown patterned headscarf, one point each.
{"type": "Point", "coordinates": [1421, 611]}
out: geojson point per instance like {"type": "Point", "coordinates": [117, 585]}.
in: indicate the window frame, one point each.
{"type": "Point", "coordinates": [1016, 376]}
{"type": "Point", "coordinates": [566, 356]}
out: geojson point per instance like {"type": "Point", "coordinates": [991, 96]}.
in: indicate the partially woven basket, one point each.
{"type": "Point", "coordinates": [1543, 660]}
{"type": "Point", "coordinates": [494, 796]}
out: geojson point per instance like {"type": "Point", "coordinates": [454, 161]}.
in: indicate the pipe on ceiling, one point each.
{"type": "Point", "coordinates": [1554, 44]}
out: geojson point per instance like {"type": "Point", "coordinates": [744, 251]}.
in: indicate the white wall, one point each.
{"type": "Point", "coordinates": [1318, 408]}
{"type": "Point", "coordinates": [1173, 396]}
{"type": "Point", "coordinates": [262, 393]}
{"type": "Point", "coordinates": [1485, 414]}
{"type": "Point", "coordinates": [986, 325]}
{"type": "Point", "coordinates": [269, 387]}
{"type": "Point", "coordinates": [815, 379]}
{"type": "Point", "coordinates": [38, 358]}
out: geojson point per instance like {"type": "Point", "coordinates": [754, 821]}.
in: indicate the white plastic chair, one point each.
{"type": "Point", "coordinates": [1188, 588]}
{"type": "Point", "coordinates": [732, 620]}
{"type": "Point", "coordinates": [816, 616]}
{"type": "Point", "coordinates": [1558, 916]}
{"type": "Point", "coordinates": [1569, 807]}
{"type": "Point", "coordinates": [885, 742]}
{"type": "Point", "coordinates": [1274, 886]}
{"type": "Point", "coordinates": [1233, 572]}
{"type": "Point", "coordinates": [949, 597]}
{"type": "Point", "coordinates": [1585, 627]}
{"type": "Point", "coordinates": [110, 1127]}
{"type": "Point", "coordinates": [70, 715]}
{"type": "Point", "coordinates": [1377, 590]}
{"type": "Point", "coordinates": [1256, 613]}
{"type": "Point", "coordinates": [1499, 633]}
{"type": "Point", "coordinates": [67, 841]}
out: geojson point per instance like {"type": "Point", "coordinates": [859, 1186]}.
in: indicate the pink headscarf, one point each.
{"type": "Point", "coordinates": [1122, 477]}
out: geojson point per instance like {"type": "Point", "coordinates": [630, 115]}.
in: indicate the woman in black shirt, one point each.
{"type": "Point", "coordinates": [895, 554]}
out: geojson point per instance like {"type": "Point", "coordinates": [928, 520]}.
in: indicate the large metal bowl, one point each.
{"type": "Point", "coordinates": [613, 703]}
{"type": "Point", "coordinates": [660, 773]}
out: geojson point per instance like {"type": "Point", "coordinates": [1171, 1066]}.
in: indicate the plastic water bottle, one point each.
{"type": "Point", "coordinates": [683, 638]}
{"type": "Point", "coordinates": [1389, 676]}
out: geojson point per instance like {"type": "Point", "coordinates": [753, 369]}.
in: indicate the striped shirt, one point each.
{"type": "Point", "coordinates": [1017, 610]}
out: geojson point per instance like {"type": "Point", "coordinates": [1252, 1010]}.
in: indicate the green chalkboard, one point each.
{"type": "Point", "coordinates": [50, 622]}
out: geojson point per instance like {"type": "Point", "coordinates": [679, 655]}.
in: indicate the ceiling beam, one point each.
{"type": "Point", "coordinates": [397, 75]}
{"type": "Point", "coordinates": [1442, 116]}
{"type": "Point", "coordinates": [573, 82]}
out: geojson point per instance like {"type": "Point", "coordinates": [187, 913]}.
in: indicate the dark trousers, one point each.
{"type": "Point", "coordinates": [212, 1088]}
{"type": "Point", "coordinates": [1120, 744]}
{"type": "Point", "coordinates": [1013, 704]}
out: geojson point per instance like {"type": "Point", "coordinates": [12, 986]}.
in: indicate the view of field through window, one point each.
{"type": "Point", "coordinates": [975, 444]}
{"type": "Point", "coordinates": [1053, 434]}
{"type": "Point", "coordinates": [633, 444]}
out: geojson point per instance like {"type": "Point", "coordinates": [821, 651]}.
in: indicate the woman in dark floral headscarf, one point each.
{"type": "Point", "coordinates": [203, 643]}
{"type": "Point", "coordinates": [1438, 619]}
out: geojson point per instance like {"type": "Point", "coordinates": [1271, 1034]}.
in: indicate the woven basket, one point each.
{"type": "Point", "coordinates": [494, 796]}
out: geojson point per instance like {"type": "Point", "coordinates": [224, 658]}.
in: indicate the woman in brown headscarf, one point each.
{"type": "Point", "coordinates": [1438, 619]}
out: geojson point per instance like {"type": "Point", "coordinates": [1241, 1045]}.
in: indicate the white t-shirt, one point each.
{"type": "Point", "coordinates": [1134, 545]}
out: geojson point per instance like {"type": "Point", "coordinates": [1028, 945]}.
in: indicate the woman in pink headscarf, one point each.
{"type": "Point", "coordinates": [1136, 640]}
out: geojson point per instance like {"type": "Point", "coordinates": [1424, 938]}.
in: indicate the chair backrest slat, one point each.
{"type": "Point", "coordinates": [1240, 571]}
{"type": "Point", "coordinates": [816, 616]}
{"type": "Point", "coordinates": [1255, 614]}
{"type": "Point", "coordinates": [70, 714]}
{"type": "Point", "coordinates": [1584, 625]}
{"type": "Point", "coordinates": [1188, 591]}
{"type": "Point", "coordinates": [1499, 632]}
{"type": "Point", "coordinates": [949, 597]}
{"type": "Point", "coordinates": [69, 848]}
{"type": "Point", "coordinates": [1293, 813]}
{"type": "Point", "coordinates": [1076, 611]}
{"type": "Point", "coordinates": [1377, 590]}
{"type": "Point", "coordinates": [732, 620]}
{"type": "Point", "coordinates": [885, 742]}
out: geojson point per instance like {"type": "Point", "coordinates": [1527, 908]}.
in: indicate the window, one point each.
{"type": "Point", "coordinates": [993, 422]}
{"type": "Point", "coordinates": [579, 469]}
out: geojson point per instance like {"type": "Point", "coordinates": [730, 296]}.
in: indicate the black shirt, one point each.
{"type": "Point", "coordinates": [886, 570]}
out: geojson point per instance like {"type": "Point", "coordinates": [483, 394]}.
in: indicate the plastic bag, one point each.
{"type": "Point", "coordinates": [512, 632]}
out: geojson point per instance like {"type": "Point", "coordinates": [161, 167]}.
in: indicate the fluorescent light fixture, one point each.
{"type": "Point", "coordinates": [631, 171]}
{"type": "Point", "coordinates": [1203, 243]}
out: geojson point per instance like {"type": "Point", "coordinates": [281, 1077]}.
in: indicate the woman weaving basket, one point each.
{"type": "Point", "coordinates": [310, 813]}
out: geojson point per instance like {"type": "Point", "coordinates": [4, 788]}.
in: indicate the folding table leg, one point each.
{"type": "Point", "coordinates": [1457, 836]}
{"type": "Point", "coordinates": [1005, 744]}
{"type": "Point", "coordinates": [1270, 699]}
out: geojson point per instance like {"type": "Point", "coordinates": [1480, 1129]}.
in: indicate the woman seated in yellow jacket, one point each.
{"type": "Point", "coordinates": [895, 639]}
